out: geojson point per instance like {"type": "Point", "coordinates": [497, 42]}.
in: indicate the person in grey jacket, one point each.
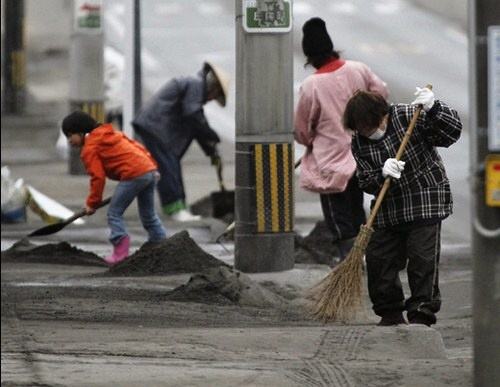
{"type": "Point", "coordinates": [170, 121]}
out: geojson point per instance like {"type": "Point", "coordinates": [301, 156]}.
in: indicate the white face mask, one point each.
{"type": "Point", "coordinates": [379, 133]}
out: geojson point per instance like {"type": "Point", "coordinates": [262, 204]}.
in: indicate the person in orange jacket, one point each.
{"type": "Point", "coordinates": [109, 153]}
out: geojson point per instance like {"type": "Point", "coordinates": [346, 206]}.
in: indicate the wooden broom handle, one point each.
{"type": "Point", "coordinates": [399, 154]}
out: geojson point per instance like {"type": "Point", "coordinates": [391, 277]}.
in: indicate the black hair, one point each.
{"type": "Point", "coordinates": [78, 122]}
{"type": "Point", "coordinates": [319, 60]}
{"type": "Point", "coordinates": [364, 111]}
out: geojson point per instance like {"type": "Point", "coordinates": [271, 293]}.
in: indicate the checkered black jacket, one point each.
{"type": "Point", "coordinates": [423, 191]}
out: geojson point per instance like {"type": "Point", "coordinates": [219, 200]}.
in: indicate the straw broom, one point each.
{"type": "Point", "coordinates": [339, 295]}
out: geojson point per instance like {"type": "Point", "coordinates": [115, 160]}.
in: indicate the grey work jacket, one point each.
{"type": "Point", "coordinates": [174, 116]}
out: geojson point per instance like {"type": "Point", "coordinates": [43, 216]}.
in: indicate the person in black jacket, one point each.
{"type": "Point", "coordinates": [408, 225]}
{"type": "Point", "coordinates": [170, 121]}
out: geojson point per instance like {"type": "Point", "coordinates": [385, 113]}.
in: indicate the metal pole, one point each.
{"type": "Point", "coordinates": [86, 58]}
{"type": "Point", "coordinates": [137, 57]}
{"type": "Point", "coordinates": [486, 219]}
{"type": "Point", "coordinates": [133, 85]}
{"type": "Point", "coordinates": [14, 58]}
{"type": "Point", "coordinates": [264, 140]}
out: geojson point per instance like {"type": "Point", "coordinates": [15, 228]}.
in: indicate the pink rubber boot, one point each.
{"type": "Point", "coordinates": [120, 251]}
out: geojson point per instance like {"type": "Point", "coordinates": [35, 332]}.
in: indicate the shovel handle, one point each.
{"type": "Point", "coordinates": [83, 212]}
{"type": "Point", "coordinates": [218, 168]}
{"type": "Point", "coordinates": [399, 154]}
{"type": "Point", "coordinates": [56, 227]}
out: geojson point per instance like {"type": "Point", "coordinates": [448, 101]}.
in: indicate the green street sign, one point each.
{"type": "Point", "coordinates": [267, 16]}
{"type": "Point", "coordinates": [88, 15]}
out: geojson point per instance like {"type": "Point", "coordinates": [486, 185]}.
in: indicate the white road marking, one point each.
{"type": "Point", "coordinates": [377, 48]}
{"type": "Point", "coordinates": [113, 21]}
{"type": "Point", "coordinates": [302, 8]}
{"type": "Point", "coordinates": [393, 49]}
{"type": "Point", "coordinates": [218, 57]}
{"type": "Point", "coordinates": [169, 9]}
{"type": "Point", "coordinates": [457, 35]}
{"type": "Point", "coordinates": [149, 61]}
{"type": "Point", "coordinates": [210, 8]}
{"type": "Point", "coordinates": [387, 7]}
{"type": "Point", "coordinates": [116, 8]}
{"type": "Point", "coordinates": [344, 7]}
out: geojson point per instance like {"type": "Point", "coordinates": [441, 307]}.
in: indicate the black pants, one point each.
{"type": "Point", "coordinates": [391, 250]}
{"type": "Point", "coordinates": [343, 211]}
{"type": "Point", "coordinates": [170, 186]}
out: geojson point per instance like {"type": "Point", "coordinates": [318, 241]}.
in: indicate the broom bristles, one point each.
{"type": "Point", "coordinates": [339, 295]}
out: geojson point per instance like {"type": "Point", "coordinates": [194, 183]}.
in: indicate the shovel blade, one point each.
{"type": "Point", "coordinates": [222, 203]}
{"type": "Point", "coordinates": [47, 230]}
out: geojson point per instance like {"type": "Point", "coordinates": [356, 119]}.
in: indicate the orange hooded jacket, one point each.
{"type": "Point", "coordinates": [109, 153]}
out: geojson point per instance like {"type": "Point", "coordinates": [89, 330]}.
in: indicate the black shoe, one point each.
{"type": "Point", "coordinates": [422, 319]}
{"type": "Point", "coordinates": [391, 319]}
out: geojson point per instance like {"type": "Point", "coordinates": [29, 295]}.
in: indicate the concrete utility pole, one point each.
{"type": "Point", "coordinates": [484, 40]}
{"type": "Point", "coordinates": [264, 141]}
{"type": "Point", "coordinates": [132, 79]}
{"type": "Point", "coordinates": [86, 60]}
{"type": "Point", "coordinates": [14, 58]}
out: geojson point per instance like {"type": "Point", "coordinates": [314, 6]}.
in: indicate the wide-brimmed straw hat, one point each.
{"type": "Point", "coordinates": [223, 79]}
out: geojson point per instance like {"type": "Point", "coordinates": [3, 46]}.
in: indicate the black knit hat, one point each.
{"type": "Point", "coordinates": [78, 122]}
{"type": "Point", "coordinates": [315, 39]}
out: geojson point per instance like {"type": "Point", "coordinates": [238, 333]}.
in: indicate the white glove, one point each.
{"type": "Point", "coordinates": [393, 168]}
{"type": "Point", "coordinates": [425, 97]}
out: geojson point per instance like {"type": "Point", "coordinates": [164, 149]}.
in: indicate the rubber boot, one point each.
{"type": "Point", "coordinates": [120, 251]}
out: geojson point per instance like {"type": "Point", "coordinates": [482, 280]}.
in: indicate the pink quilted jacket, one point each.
{"type": "Point", "coordinates": [328, 164]}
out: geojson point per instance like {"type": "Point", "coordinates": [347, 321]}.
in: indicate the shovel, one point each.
{"type": "Point", "coordinates": [223, 200]}
{"type": "Point", "coordinates": [53, 228]}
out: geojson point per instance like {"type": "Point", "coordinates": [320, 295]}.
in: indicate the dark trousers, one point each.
{"type": "Point", "coordinates": [170, 186]}
{"type": "Point", "coordinates": [343, 211]}
{"type": "Point", "coordinates": [391, 250]}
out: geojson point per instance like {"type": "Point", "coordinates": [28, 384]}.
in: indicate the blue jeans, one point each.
{"type": "Point", "coordinates": [142, 187]}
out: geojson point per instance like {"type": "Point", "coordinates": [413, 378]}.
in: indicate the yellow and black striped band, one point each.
{"type": "Point", "coordinates": [273, 167]}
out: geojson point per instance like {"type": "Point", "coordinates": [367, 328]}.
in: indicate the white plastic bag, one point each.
{"type": "Point", "coordinates": [14, 197]}
{"type": "Point", "coordinates": [62, 147]}
{"type": "Point", "coordinates": [49, 210]}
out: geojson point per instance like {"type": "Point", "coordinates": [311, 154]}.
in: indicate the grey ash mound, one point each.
{"type": "Point", "coordinates": [317, 247]}
{"type": "Point", "coordinates": [226, 286]}
{"type": "Point", "coordinates": [55, 253]}
{"type": "Point", "coordinates": [177, 254]}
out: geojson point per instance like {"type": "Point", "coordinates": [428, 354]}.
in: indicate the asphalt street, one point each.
{"type": "Point", "coordinates": [69, 325]}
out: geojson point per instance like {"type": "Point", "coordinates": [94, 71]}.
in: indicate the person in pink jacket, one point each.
{"type": "Point", "coordinates": [328, 166]}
